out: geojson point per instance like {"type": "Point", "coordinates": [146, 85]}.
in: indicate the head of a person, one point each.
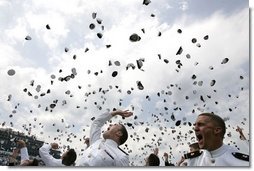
{"type": "Point", "coordinates": [194, 147]}
{"type": "Point", "coordinates": [69, 157]}
{"type": "Point", "coordinates": [152, 160]}
{"type": "Point", "coordinates": [33, 162]}
{"type": "Point", "coordinates": [116, 132]}
{"type": "Point", "coordinates": [210, 130]}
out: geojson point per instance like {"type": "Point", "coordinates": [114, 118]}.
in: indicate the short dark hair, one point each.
{"type": "Point", "coordinates": [124, 136]}
{"type": "Point", "coordinates": [35, 162]}
{"type": "Point", "coordinates": [217, 120]}
{"type": "Point", "coordinates": [69, 158]}
{"type": "Point", "coordinates": [153, 160]}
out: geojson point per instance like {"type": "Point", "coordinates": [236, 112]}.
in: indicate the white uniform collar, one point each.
{"type": "Point", "coordinates": [111, 143]}
{"type": "Point", "coordinates": [219, 151]}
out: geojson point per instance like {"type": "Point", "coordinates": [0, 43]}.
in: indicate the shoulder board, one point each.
{"type": "Point", "coordinates": [192, 154]}
{"type": "Point", "coordinates": [241, 156]}
{"type": "Point", "coordinates": [123, 151]}
{"type": "Point", "coordinates": [109, 154]}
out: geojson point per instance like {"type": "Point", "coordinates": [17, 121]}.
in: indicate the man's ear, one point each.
{"type": "Point", "coordinates": [217, 130]}
{"type": "Point", "coordinates": [119, 133]}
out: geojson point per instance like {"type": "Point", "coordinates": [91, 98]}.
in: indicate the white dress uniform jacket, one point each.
{"type": "Point", "coordinates": [223, 156]}
{"type": "Point", "coordinates": [48, 159]}
{"type": "Point", "coordinates": [102, 152]}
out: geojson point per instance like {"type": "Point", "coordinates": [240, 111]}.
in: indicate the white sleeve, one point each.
{"type": "Point", "coordinates": [48, 159]}
{"type": "Point", "coordinates": [95, 131]}
{"type": "Point", "coordinates": [24, 154]}
{"type": "Point", "coordinates": [123, 161]}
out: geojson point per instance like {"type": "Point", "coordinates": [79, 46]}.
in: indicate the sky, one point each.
{"type": "Point", "coordinates": [65, 62]}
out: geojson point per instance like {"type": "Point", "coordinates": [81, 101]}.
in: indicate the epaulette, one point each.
{"type": "Point", "coordinates": [192, 154]}
{"type": "Point", "coordinates": [123, 151]}
{"type": "Point", "coordinates": [109, 154]}
{"type": "Point", "coordinates": [241, 156]}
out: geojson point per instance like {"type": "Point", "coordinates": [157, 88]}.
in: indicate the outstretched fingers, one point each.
{"type": "Point", "coordinates": [127, 113]}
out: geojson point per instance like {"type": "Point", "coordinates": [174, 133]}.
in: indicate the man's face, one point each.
{"type": "Point", "coordinates": [205, 132]}
{"type": "Point", "coordinates": [64, 154]}
{"type": "Point", "coordinates": [26, 163]}
{"type": "Point", "coordinates": [112, 131]}
{"type": "Point", "coordinates": [192, 149]}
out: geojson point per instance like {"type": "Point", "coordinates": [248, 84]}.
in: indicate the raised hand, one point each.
{"type": "Point", "coordinates": [21, 143]}
{"type": "Point", "coordinates": [54, 146]}
{"type": "Point", "coordinates": [165, 155]}
{"type": "Point", "coordinates": [156, 151]}
{"type": "Point", "coordinates": [124, 113]}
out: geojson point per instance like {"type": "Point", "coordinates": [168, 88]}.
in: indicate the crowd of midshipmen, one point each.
{"type": "Point", "coordinates": [103, 149]}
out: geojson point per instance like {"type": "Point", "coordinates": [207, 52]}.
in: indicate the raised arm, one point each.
{"type": "Point", "coordinates": [23, 150]}
{"type": "Point", "coordinates": [95, 131]}
{"type": "Point", "coordinates": [240, 130]}
{"type": "Point", "coordinates": [44, 153]}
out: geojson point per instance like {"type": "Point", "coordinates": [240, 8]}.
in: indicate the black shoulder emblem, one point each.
{"type": "Point", "coordinates": [192, 154]}
{"type": "Point", "coordinates": [123, 151]}
{"type": "Point", "coordinates": [241, 156]}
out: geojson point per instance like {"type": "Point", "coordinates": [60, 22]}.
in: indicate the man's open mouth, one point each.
{"type": "Point", "coordinates": [199, 137]}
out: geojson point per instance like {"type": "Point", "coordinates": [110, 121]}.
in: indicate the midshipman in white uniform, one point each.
{"type": "Point", "coordinates": [105, 151]}
{"type": "Point", "coordinates": [210, 130]}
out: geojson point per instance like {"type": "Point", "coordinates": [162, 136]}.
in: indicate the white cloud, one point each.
{"type": "Point", "coordinates": [184, 5]}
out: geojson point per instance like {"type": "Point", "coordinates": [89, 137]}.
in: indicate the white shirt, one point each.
{"type": "Point", "coordinates": [102, 152]}
{"type": "Point", "coordinates": [24, 155]}
{"type": "Point", "coordinates": [245, 146]}
{"type": "Point", "coordinates": [221, 157]}
{"type": "Point", "coordinates": [48, 159]}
